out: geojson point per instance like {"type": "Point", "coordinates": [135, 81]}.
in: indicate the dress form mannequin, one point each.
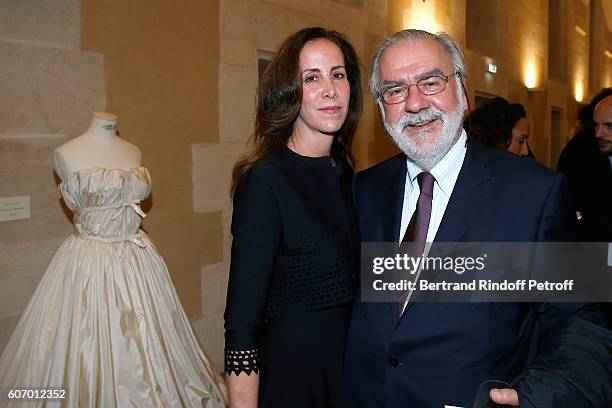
{"type": "Point", "coordinates": [99, 146]}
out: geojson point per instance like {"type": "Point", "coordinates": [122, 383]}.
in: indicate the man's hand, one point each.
{"type": "Point", "coordinates": [504, 396]}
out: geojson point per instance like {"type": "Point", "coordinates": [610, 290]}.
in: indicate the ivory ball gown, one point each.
{"type": "Point", "coordinates": [105, 322]}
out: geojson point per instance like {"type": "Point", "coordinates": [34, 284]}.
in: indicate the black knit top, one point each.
{"type": "Point", "coordinates": [294, 248]}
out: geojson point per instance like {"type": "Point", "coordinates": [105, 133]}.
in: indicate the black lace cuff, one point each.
{"type": "Point", "coordinates": [241, 361]}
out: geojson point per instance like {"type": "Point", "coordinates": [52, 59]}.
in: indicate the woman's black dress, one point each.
{"type": "Point", "coordinates": [292, 280]}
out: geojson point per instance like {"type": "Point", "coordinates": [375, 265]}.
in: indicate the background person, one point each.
{"type": "Point", "coordinates": [516, 120]}
{"type": "Point", "coordinates": [587, 162]}
{"type": "Point", "coordinates": [588, 168]}
{"type": "Point", "coordinates": [500, 125]}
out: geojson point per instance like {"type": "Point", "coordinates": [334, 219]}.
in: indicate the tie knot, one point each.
{"type": "Point", "coordinates": [426, 181]}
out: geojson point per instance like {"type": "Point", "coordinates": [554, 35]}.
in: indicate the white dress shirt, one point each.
{"type": "Point", "coordinates": [445, 173]}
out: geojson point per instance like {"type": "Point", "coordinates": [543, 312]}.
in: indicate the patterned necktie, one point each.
{"type": "Point", "coordinates": [416, 233]}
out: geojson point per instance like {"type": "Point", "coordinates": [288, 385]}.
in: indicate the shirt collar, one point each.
{"type": "Point", "coordinates": [447, 169]}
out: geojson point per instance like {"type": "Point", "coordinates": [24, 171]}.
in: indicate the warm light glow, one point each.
{"type": "Point", "coordinates": [608, 54]}
{"type": "Point", "coordinates": [530, 74]}
{"type": "Point", "coordinates": [578, 91]}
{"type": "Point", "coordinates": [421, 16]}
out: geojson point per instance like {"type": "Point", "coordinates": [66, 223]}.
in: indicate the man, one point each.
{"type": "Point", "coordinates": [587, 163]}
{"type": "Point", "coordinates": [603, 126]}
{"type": "Point", "coordinates": [446, 188]}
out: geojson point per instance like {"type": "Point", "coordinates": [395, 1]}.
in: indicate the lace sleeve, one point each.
{"type": "Point", "coordinates": [241, 361]}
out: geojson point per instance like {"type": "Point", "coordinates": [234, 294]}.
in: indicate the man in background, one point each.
{"type": "Point", "coordinates": [587, 163]}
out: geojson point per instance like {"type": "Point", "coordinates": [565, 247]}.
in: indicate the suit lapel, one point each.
{"type": "Point", "coordinates": [392, 195]}
{"type": "Point", "coordinates": [391, 209]}
{"type": "Point", "coordinates": [469, 193]}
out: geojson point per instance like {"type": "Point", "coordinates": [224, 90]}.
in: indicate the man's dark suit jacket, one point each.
{"type": "Point", "coordinates": [589, 175]}
{"type": "Point", "coordinates": [439, 353]}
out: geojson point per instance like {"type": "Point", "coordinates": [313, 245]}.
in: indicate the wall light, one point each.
{"type": "Point", "coordinates": [492, 68]}
{"type": "Point", "coordinates": [608, 54]}
{"type": "Point", "coordinates": [530, 74]}
{"type": "Point", "coordinates": [578, 91]}
{"type": "Point", "coordinates": [420, 16]}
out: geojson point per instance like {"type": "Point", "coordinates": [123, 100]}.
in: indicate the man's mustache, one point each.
{"type": "Point", "coordinates": [420, 118]}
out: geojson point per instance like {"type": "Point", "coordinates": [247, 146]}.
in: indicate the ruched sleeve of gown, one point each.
{"type": "Point", "coordinates": [256, 231]}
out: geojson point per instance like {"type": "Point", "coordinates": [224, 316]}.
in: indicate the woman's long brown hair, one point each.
{"type": "Point", "coordinates": [279, 100]}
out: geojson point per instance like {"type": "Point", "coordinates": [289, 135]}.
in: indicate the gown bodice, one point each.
{"type": "Point", "coordinates": [106, 202]}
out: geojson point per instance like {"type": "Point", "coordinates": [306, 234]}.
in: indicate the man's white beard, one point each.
{"type": "Point", "coordinates": [426, 154]}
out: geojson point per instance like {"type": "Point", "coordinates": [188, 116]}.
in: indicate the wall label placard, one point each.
{"type": "Point", "coordinates": [14, 208]}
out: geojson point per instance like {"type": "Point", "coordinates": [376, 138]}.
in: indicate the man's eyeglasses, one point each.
{"type": "Point", "coordinates": [431, 85]}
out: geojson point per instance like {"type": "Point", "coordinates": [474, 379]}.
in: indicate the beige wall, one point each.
{"type": "Point", "coordinates": [432, 16]}
{"type": "Point", "coordinates": [600, 69]}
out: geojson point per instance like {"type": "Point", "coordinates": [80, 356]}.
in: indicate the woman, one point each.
{"type": "Point", "coordinates": [500, 125]}
{"type": "Point", "coordinates": [516, 121]}
{"type": "Point", "coordinates": [293, 268]}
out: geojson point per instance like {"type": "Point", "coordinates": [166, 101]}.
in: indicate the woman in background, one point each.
{"type": "Point", "coordinates": [293, 266]}
{"type": "Point", "coordinates": [515, 119]}
{"type": "Point", "coordinates": [500, 125]}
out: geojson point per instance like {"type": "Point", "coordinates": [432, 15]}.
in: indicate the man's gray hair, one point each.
{"type": "Point", "coordinates": [446, 42]}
